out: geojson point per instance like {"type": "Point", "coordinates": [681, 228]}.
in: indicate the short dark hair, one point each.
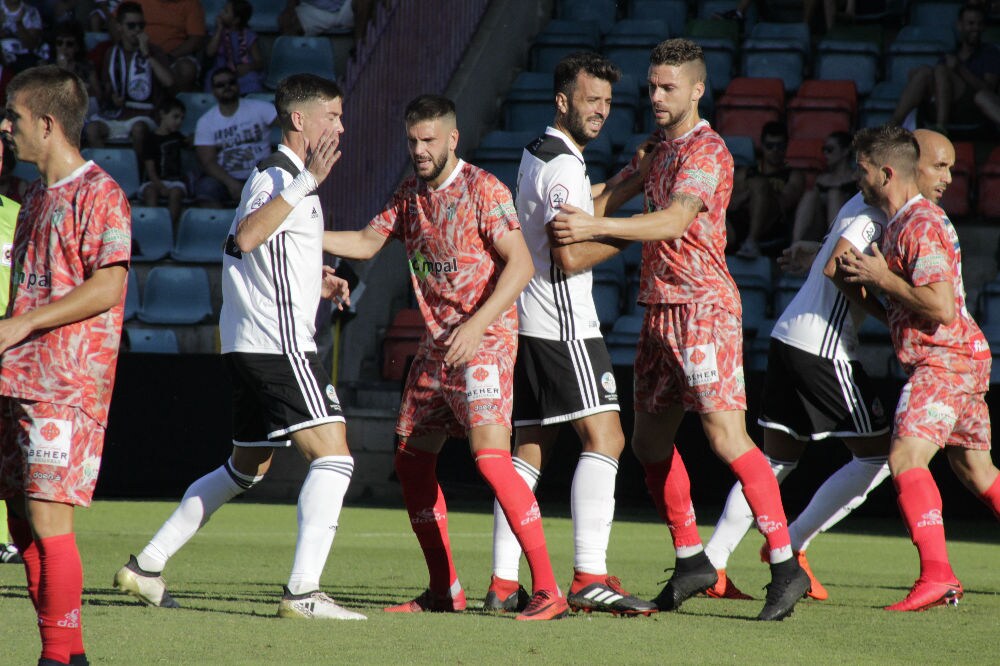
{"type": "Point", "coordinates": [679, 51]}
{"type": "Point", "coordinates": [428, 107]}
{"type": "Point", "coordinates": [567, 69]}
{"type": "Point", "coordinates": [127, 8]}
{"type": "Point", "coordinates": [168, 104]}
{"type": "Point", "coordinates": [299, 88]}
{"type": "Point", "coordinates": [774, 128]}
{"type": "Point", "coordinates": [242, 11]}
{"type": "Point", "coordinates": [888, 144]}
{"type": "Point", "coordinates": [56, 93]}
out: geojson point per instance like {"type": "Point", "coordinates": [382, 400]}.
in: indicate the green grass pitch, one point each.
{"type": "Point", "coordinates": [228, 580]}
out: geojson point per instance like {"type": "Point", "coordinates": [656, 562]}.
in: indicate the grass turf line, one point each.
{"type": "Point", "coordinates": [228, 579]}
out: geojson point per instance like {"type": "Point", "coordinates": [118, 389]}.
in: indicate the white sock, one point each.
{"type": "Point", "coordinates": [320, 501]}
{"type": "Point", "coordinates": [200, 501]}
{"type": "Point", "coordinates": [844, 491]}
{"type": "Point", "coordinates": [506, 549]}
{"type": "Point", "coordinates": [737, 518]}
{"type": "Point", "coordinates": [592, 503]}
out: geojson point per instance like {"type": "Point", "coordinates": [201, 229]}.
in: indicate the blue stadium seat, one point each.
{"type": "Point", "coordinates": [611, 270]}
{"type": "Point", "coordinates": [152, 233]}
{"type": "Point", "coordinates": [131, 296]}
{"type": "Point", "coordinates": [755, 350]}
{"type": "Point", "coordinates": [632, 60]}
{"type": "Point", "coordinates": [120, 163]}
{"type": "Point", "coordinates": [92, 39]}
{"type": "Point", "coordinates": [299, 55]}
{"type": "Point", "coordinates": [741, 148]}
{"type": "Point", "coordinates": [623, 339]}
{"type": "Point", "coordinates": [755, 272]}
{"type": "Point", "coordinates": [900, 64]}
{"type": "Point", "coordinates": [212, 9]}
{"type": "Point", "coordinates": [672, 12]}
{"type": "Point", "coordinates": [881, 102]}
{"type": "Point", "coordinates": [632, 255]}
{"type": "Point", "coordinates": [862, 68]}
{"type": "Point", "coordinates": [788, 286]}
{"type": "Point", "coordinates": [755, 299]}
{"type": "Point", "coordinates": [708, 8]}
{"type": "Point", "coordinates": [599, 152]}
{"type": "Point", "coordinates": [782, 36]}
{"type": "Point", "coordinates": [26, 171]}
{"type": "Point", "coordinates": [939, 16]}
{"type": "Point", "coordinates": [528, 106]}
{"type": "Point", "coordinates": [176, 295]}
{"type": "Point", "coordinates": [625, 103]}
{"type": "Point", "coordinates": [195, 105]}
{"type": "Point", "coordinates": [560, 38]}
{"type": "Point", "coordinates": [504, 169]}
{"type": "Point", "coordinates": [152, 340]}
{"type": "Point", "coordinates": [501, 144]}
{"type": "Point", "coordinates": [607, 300]}
{"type": "Point", "coordinates": [922, 39]}
{"type": "Point", "coordinates": [603, 12]}
{"type": "Point", "coordinates": [637, 32]}
{"type": "Point", "coordinates": [201, 235]}
{"type": "Point", "coordinates": [872, 330]}
{"type": "Point", "coordinates": [830, 45]}
{"type": "Point", "coordinates": [719, 63]}
{"type": "Point", "coordinates": [766, 62]}
{"type": "Point", "coordinates": [265, 17]}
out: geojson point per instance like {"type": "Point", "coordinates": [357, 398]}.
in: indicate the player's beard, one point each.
{"type": "Point", "coordinates": [576, 125]}
{"type": "Point", "coordinates": [439, 162]}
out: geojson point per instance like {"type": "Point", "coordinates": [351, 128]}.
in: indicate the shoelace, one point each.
{"type": "Point", "coordinates": [538, 599]}
{"type": "Point", "coordinates": [667, 579]}
{"type": "Point", "coordinates": [615, 584]}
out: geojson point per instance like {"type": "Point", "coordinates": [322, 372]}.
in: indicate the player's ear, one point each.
{"type": "Point", "coordinates": [453, 139]}
{"type": "Point", "coordinates": [562, 103]}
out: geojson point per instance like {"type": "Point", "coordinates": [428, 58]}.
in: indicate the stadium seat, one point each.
{"type": "Point", "coordinates": [633, 60]}
{"type": "Point", "coordinates": [201, 235]}
{"type": "Point", "coordinates": [632, 256]}
{"type": "Point", "coordinates": [807, 155]}
{"type": "Point", "coordinates": [120, 163]}
{"type": "Point", "coordinates": [755, 349]}
{"type": "Point", "coordinates": [988, 178]}
{"type": "Point", "coordinates": [152, 340]}
{"type": "Point", "coordinates": [501, 144]}
{"type": "Point", "coordinates": [625, 102]}
{"type": "Point", "coordinates": [195, 106]}
{"type": "Point", "coordinates": [747, 105]}
{"type": "Point", "coordinates": [712, 29]}
{"type": "Point", "coordinates": [26, 171]}
{"type": "Point", "coordinates": [881, 103]}
{"type": "Point", "coordinates": [770, 88]}
{"type": "Point", "coordinates": [299, 55]}
{"type": "Point", "coordinates": [813, 118]}
{"type": "Point", "coordinates": [607, 300]}
{"type": "Point", "coordinates": [623, 339]}
{"type": "Point", "coordinates": [779, 34]}
{"type": "Point", "coordinates": [937, 16]}
{"type": "Point", "coordinates": [263, 95]}
{"type": "Point", "coordinates": [400, 343]}
{"type": "Point", "coordinates": [504, 169]}
{"type": "Point", "coordinates": [902, 63]}
{"type": "Point", "coordinates": [265, 17]}
{"type": "Point", "coordinates": [707, 9]}
{"type": "Point", "coordinates": [862, 68]}
{"type": "Point", "coordinates": [560, 38]}
{"type": "Point", "coordinates": [750, 120]}
{"type": "Point", "coordinates": [955, 201]}
{"type": "Point", "coordinates": [751, 272]}
{"type": "Point", "coordinates": [131, 296]}
{"type": "Point", "coordinates": [212, 9]}
{"type": "Point", "coordinates": [176, 295]}
{"type": "Point", "coordinates": [755, 299]}
{"type": "Point", "coordinates": [528, 106]}
{"type": "Point", "coordinates": [152, 233]}
{"type": "Point", "coordinates": [923, 39]}
{"type": "Point", "coordinates": [602, 12]}
{"type": "Point", "coordinates": [673, 12]}
{"type": "Point", "coordinates": [599, 153]}
{"type": "Point", "coordinates": [92, 39]}
{"type": "Point", "coordinates": [741, 148]}
{"type": "Point", "coordinates": [788, 286]}
{"type": "Point", "coordinates": [842, 91]}
{"type": "Point", "coordinates": [611, 270]}
{"type": "Point", "coordinates": [872, 330]}
{"type": "Point", "coordinates": [719, 63]}
{"type": "Point", "coordinates": [765, 60]}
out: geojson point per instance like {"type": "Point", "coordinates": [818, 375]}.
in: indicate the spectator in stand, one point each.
{"type": "Point", "coordinates": [161, 160]}
{"type": "Point", "coordinates": [178, 27]}
{"type": "Point", "coordinates": [21, 34]}
{"type": "Point", "coordinates": [230, 139]}
{"type": "Point", "coordinates": [11, 187]}
{"type": "Point", "coordinates": [959, 86]}
{"type": "Point", "coordinates": [132, 76]}
{"type": "Point", "coordinates": [765, 195]}
{"type": "Point", "coordinates": [234, 45]}
{"type": "Point", "coordinates": [326, 17]}
{"type": "Point", "coordinates": [102, 15]}
{"type": "Point", "coordinates": [819, 206]}
{"type": "Point", "coordinates": [70, 53]}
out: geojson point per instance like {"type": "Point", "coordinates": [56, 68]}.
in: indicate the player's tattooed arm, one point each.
{"type": "Point", "coordinates": [686, 201]}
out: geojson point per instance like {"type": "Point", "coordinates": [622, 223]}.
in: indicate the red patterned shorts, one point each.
{"type": "Point", "coordinates": [691, 355]}
{"type": "Point", "coordinates": [930, 408]}
{"type": "Point", "coordinates": [456, 399]}
{"type": "Point", "coordinates": [48, 451]}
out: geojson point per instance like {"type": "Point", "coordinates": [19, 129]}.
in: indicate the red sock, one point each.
{"type": "Point", "coordinates": [20, 532]}
{"type": "Point", "coordinates": [670, 487]}
{"type": "Point", "coordinates": [519, 506]}
{"type": "Point", "coordinates": [761, 490]}
{"type": "Point", "coordinates": [920, 503]}
{"type": "Point", "coordinates": [992, 497]}
{"type": "Point", "coordinates": [59, 597]}
{"type": "Point", "coordinates": [417, 472]}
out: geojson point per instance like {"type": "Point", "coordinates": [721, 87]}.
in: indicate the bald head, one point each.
{"type": "Point", "coordinates": [937, 157]}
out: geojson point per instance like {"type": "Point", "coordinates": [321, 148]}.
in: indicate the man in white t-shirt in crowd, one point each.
{"type": "Point", "coordinates": [230, 139]}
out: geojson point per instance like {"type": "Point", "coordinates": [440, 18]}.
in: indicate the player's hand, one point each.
{"type": "Point", "coordinates": [797, 259]}
{"type": "Point", "coordinates": [463, 343]}
{"type": "Point", "coordinates": [321, 157]}
{"type": "Point", "coordinates": [335, 289]}
{"type": "Point", "coordinates": [645, 153]}
{"type": "Point", "coordinates": [573, 225]}
{"type": "Point", "coordinates": [859, 268]}
{"type": "Point", "coordinates": [12, 331]}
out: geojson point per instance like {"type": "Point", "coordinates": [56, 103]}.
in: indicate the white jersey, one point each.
{"type": "Point", "coordinates": [820, 319]}
{"type": "Point", "coordinates": [554, 305]}
{"type": "Point", "coordinates": [270, 294]}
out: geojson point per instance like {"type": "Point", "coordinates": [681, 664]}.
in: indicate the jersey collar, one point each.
{"type": "Point", "coordinates": [296, 160]}
{"type": "Point", "coordinates": [552, 131]}
{"type": "Point", "coordinates": [905, 207]}
{"type": "Point", "coordinates": [451, 177]}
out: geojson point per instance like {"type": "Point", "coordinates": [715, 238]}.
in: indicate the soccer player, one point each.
{"type": "Point", "coordinates": [468, 263]}
{"type": "Point", "coordinates": [60, 345]}
{"type": "Point", "coordinates": [817, 389]}
{"type": "Point", "coordinates": [272, 281]}
{"type": "Point", "coordinates": [940, 347]}
{"type": "Point", "coordinates": [563, 372]}
{"type": "Point", "coordinates": [690, 348]}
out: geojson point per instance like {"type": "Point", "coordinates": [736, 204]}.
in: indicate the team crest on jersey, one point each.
{"type": "Point", "coordinates": [331, 395]}
{"type": "Point", "coordinates": [449, 212]}
{"type": "Point", "coordinates": [699, 365]}
{"type": "Point", "coordinates": [57, 216]}
{"type": "Point", "coordinates": [260, 200]}
{"type": "Point", "coordinates": [558, 195]}
{"type": "Point", "coordinates": [482, 382]}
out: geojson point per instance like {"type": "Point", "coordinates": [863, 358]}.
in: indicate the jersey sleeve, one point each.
{"type": "Point", "coordinates": [261, 188]}
{"type": "Point", "coordinates": [700, 173]}
{"type": "Point", "coordinates": [928, 253]}
{"type": "Point", "coordinates": [107, 228]}
{"type": "Point", "coordinates": [389, 222]}
{"type": "Point", "coordinates": [498, 215]}
{"type": "Point", "coordinates": [558, 184]}
{"type": "Point", "coordinates": [863, 230]}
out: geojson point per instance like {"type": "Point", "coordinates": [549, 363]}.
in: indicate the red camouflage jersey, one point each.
{"type": "Point", "coordinates": [922, 247]}
{"type": "Point", "coordinates": [64, 234]}
{"type": "Point", "coordinates": [450, 235]}
{"type": "Point", "coordinates": [692, 268]}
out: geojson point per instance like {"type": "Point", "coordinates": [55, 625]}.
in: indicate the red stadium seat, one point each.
{"type": "Point", "coordinates": [845, 91]}
{"type": "Point", "coordinates": [743, 86]}
{"type": "Point", "coordinates": [807, 155]}
{"type": "Point", "coordinates": [744, 120]}
{"type": "Point", "coordinates": [811, 118]}
{"type": "Point", "coordinates": [956, 198]}
{"type": "Point", "coordinates": [747, 105]}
